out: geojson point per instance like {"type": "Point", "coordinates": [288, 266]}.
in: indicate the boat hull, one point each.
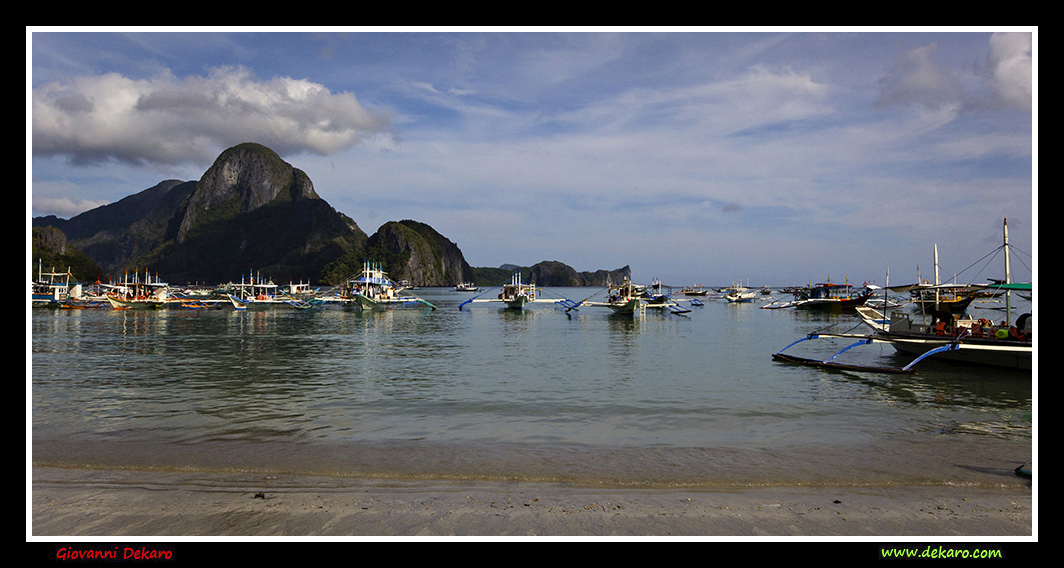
{"type": "Point", "coordinates": [368, 303]}
{"type": "Point", "coordinates": [516, 303]}
{"type": "Point", "coordinates": [830, 305]}
{"type": "Point", "coordinates": [134, 304]}
{"type": "Point", "coordinates": [957, 307]}
{"type": "Point", "coordinates": [627, 308]}
{"type": "Point", "coordinates": [843, 303]}
{"type": "Point", "coordinates": [1008, 355]}
{"type": "Point", "coordinates": [256, 305]}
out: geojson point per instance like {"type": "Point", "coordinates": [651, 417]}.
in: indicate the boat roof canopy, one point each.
{"type": "Point", "coordinates": [995, 286]}
{"type": "Point", "coordinates": [1027, 286]}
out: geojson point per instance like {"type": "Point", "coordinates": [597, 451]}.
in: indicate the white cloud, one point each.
{"type": "Point", "coordinates": [170, 121]}
{"type": "Point", "coordinates": [1011, 68]}
{"type": "Point", "coordinates": [759, 98]}
{"type": "Point", "coordinates": [1008, 74]}
{"type": "Point", "coordinates": [917, 78]}
{"type": "Point", "coordinates": [64, 207]}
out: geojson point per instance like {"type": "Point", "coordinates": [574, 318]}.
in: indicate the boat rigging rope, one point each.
{"type": "Point", "coordinates": [478, 295]}
{"type": "Point", "coordinates": [589, 297]}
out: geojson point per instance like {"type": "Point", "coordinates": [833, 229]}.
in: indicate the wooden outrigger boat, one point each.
{"type": "Point", "coordinates": [927, 297]}
{"type": "Point", "coordinates": [517, 294]}
{"type": "Point", "coordinates": [373, 289]}
{"type": "Point", "coordinates": [137, 294]}
{"type": "Point", "coordinates": [739, 294]}
{"type": "Point", "coordinates": [257, 293]}
{"type": "Point", "coordinates": [831, 297]}
{"type": "Point", "coordinates": [50, 289]}
{"type": "Point", "coordinates": [996, 346]}
{"type": "Point", "coordinates": [694, 291]}
{"type": "Point", "coordinates": [624, 298]}
{"type": "Point", "coordinates": [627, 298]}
{"type": "Point", "coordinates": [953, 298]}
{"type": "Point", "coordinates": [664, 302]}
{"type": "Point", "coordinates": [947, 336]}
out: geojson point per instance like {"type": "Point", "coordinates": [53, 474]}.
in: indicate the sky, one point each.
{"type": "Point", "coordinates": [693, 155]}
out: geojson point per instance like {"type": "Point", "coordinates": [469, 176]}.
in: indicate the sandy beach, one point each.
{"type": "Point", "coordinates": [123, 503]}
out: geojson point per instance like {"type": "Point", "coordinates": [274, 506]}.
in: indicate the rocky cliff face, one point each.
{"type": "Point", "coordinates": [425, 257]}
{"type": "Point", "coordinates": [243, 179]}
{"type": "Point", "coordinates": [554, 273]}
{"type": "Point", "coordinates": [250, 211]}
{"type": "Point", "coordinates": [550, 274]}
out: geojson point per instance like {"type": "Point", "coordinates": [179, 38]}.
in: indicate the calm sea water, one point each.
{"type": "Point", "coordinates": [485, 393]}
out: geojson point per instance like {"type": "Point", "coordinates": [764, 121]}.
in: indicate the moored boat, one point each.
{"type": "Point", "coordinates": [372, 288]}
{"type": "Point", "coordinates": [627, 298]}
{"type": "Point", "coordinates": [927, 297]}
{"type": "Point", "coordinates": [50, 288]}
{"type": "Point", "coordinates": [624, 298]}
{"type": "Point", "coordinates": [138, 294]}
{"type": "Point", "coordinates": [257, 293]}
{"type": "Point", "coordinates": [828, 296]}
{"type": "Point", "coordinates": [517, 294]}
{"type": "Point", "coordinates": [942, 335]}
{"type": "Point", "coordinates": [739, 294]}
{"type": "Point", "coordinates": [953, 298]}
{"type": "Point", "coordinates": [963, 339]}
{"type": "Point", "coordinates": [694, 291]}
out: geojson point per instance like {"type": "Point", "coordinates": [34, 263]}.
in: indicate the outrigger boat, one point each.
{"type": "Point", "coordinates": [627, 298]}
{"type": "Point", "coordinates": [136, 294]}
{"type": "Point", "coordinates": [257, 293]}
{"type": "Point", "coordinates": [50, 288]}
{"type": "Point", "coordinates": [664, 302]}
{"type": "Point", "coordinates": [298, 289]}
{"type": "Point", "coordinates": [929, 297]}
{"type": "Point", "coordinates": [739, 294]}
{"type": "Point", "coordinates": [517, 294]}
{"type": "Point", "coordinates": [954, 298]}
{"type": "Point", "coordinates": [373, 289]}
{"type": "Point", "coordinates": [946, 337]}
{"type": "Point", "coordinates": [80, 298]}
{"type": "Point", "coordinates": [828, 296]}
{"type": "Point", "coordinates": [694, 291]}
{"type": "Point", "coordinates": [466, 287]}
{"type": "Point", "coordinates": [624, 298]}
{"type": "Point", "coordinates": [971, 341]}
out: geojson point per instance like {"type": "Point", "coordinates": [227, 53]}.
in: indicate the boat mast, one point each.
{"type": "Point", "coordinates": [1008, 274]}
{"type": "Point", "coordinates": [937, 281]}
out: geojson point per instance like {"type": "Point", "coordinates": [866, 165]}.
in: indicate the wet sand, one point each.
{"type": "Point", "coordinates": [127, 503]}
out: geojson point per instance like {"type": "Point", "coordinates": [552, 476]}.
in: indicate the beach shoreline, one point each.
{"type": "Point", "coordinates": [89, 503]}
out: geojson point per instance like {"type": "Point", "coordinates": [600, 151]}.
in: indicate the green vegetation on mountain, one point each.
{"type": "Point", "coordinates": [549, 273]}
{"type": "Point", "coordinates": [50, 253]}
